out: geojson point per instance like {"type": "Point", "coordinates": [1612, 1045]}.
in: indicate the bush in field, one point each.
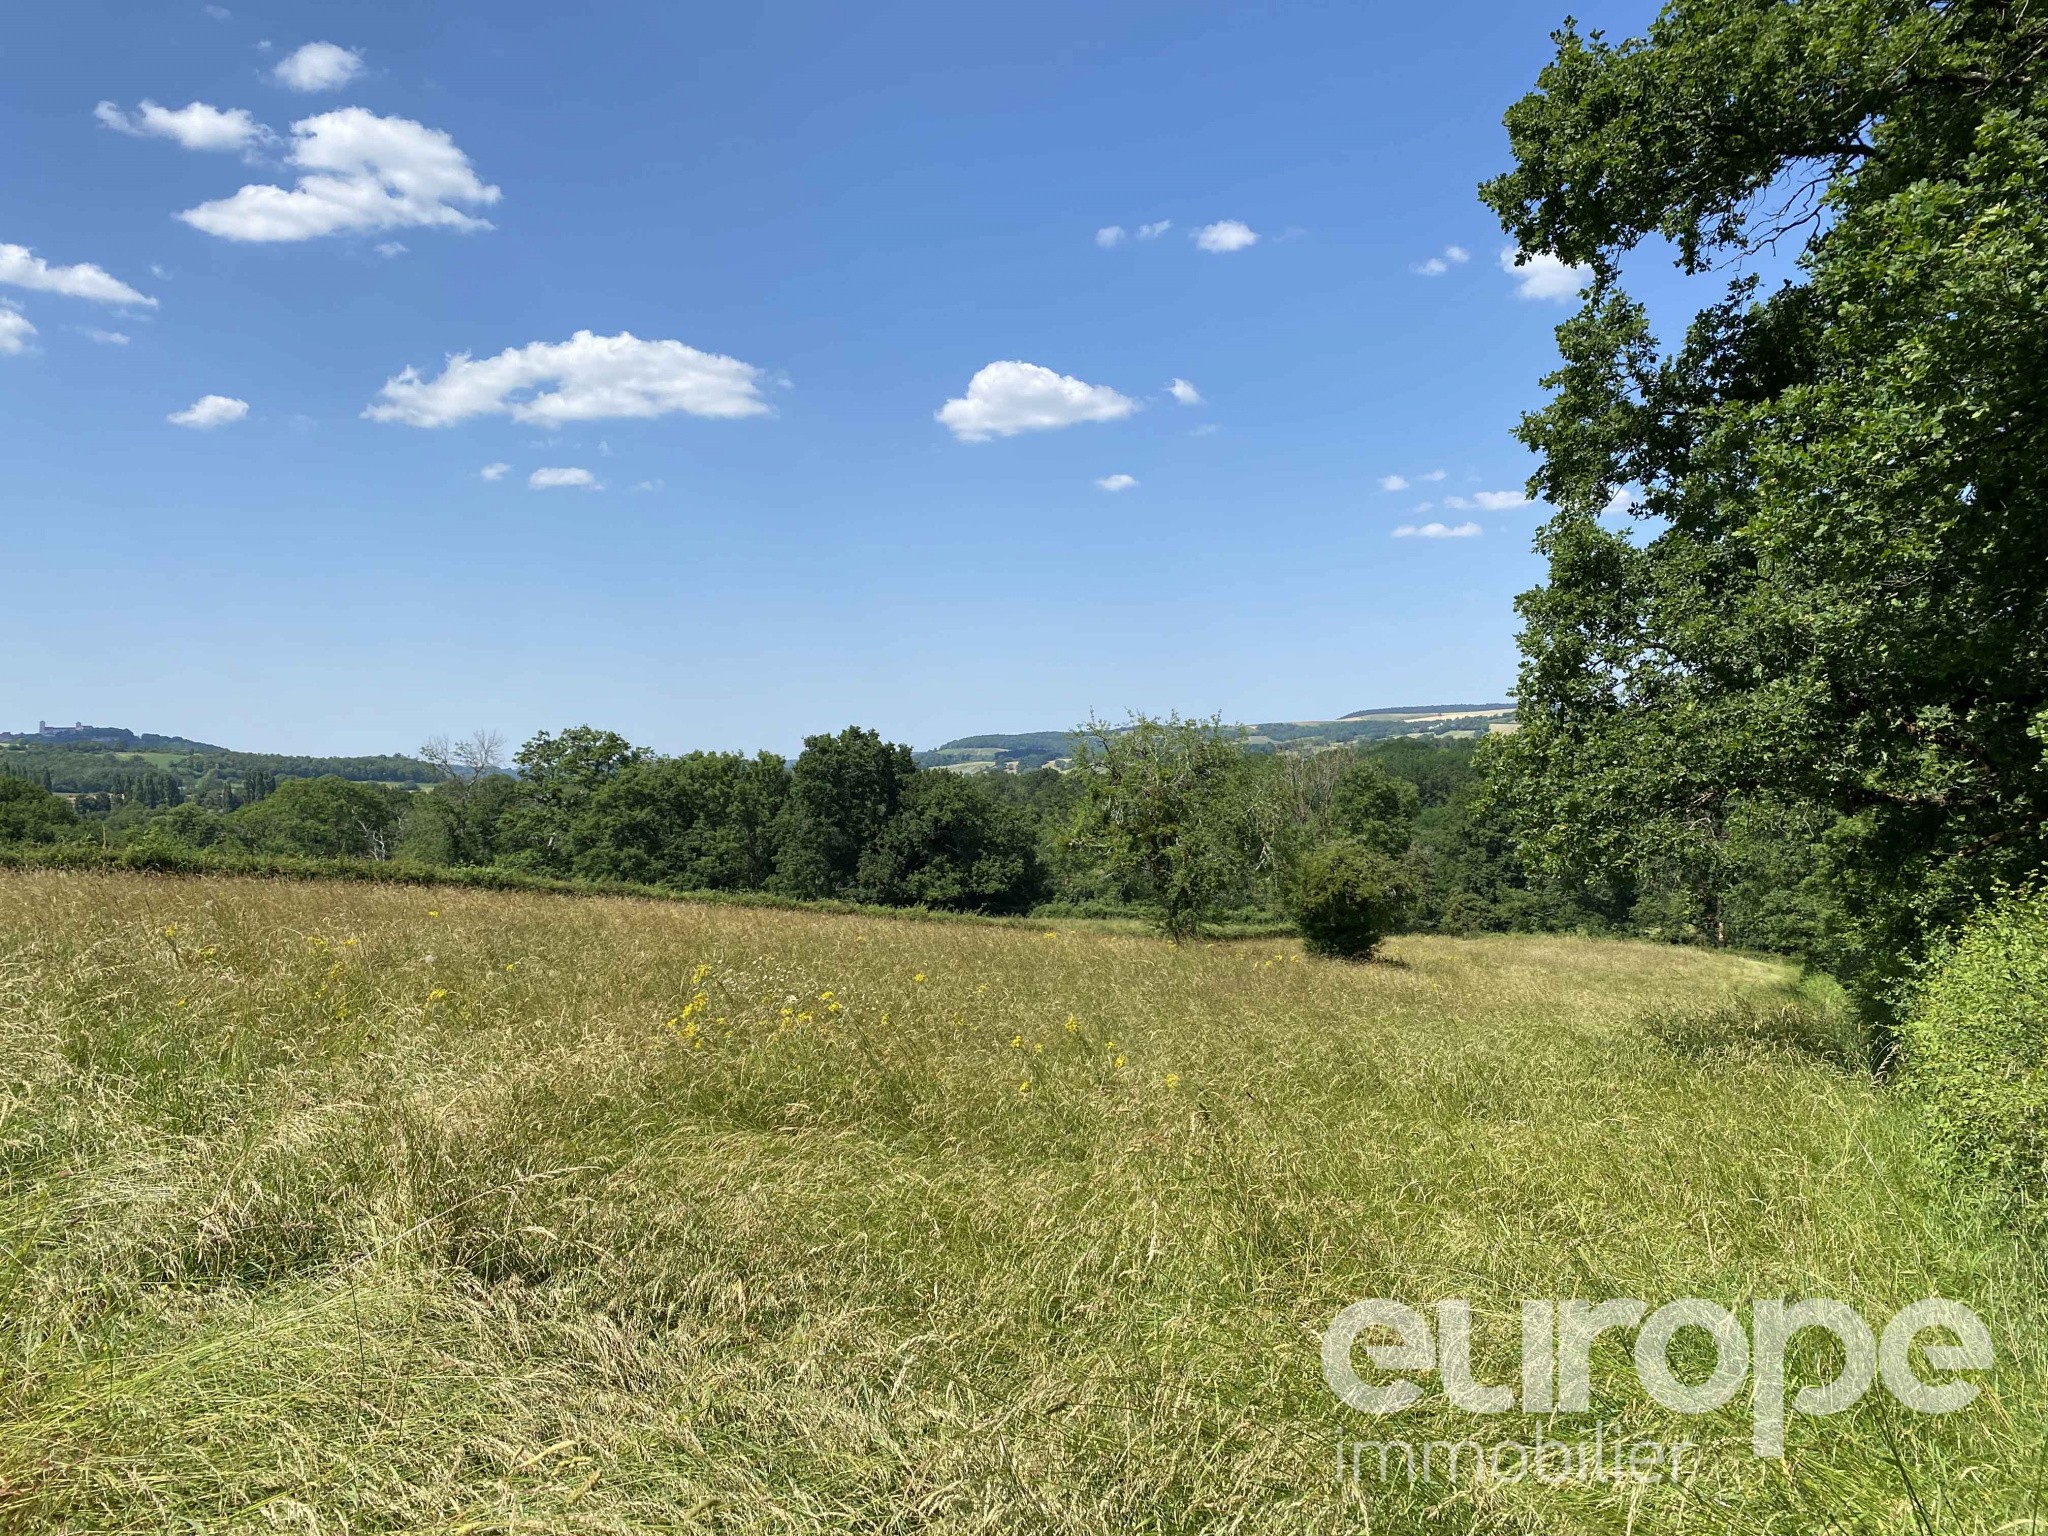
{"type": "Point", "coordinates": [1976, 1050]}
{"type": "Point", "coordinates": [1346, 897]}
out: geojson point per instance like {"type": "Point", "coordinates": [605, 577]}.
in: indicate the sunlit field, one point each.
{"type": "Point", "coordinates": [352, 1208]}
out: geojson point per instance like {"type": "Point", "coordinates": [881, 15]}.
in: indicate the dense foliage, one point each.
{"type": "Point", "coordinates": [1822, 614]}
{"type": "Point", "coordinates": [1977, 1054]}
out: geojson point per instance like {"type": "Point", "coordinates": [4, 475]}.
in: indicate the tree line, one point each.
{"type": "Point", "coordinates": [1179, 820]}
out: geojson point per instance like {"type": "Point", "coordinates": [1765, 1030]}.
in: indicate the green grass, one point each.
{"type": "Point", "coordinates": [351, 1207]}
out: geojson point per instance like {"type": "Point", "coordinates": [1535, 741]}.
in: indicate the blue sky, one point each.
{"type": "Point", "coordinates": [819, 226]}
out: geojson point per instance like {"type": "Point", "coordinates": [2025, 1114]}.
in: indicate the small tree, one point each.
{"type": "Point", "coordinates": [1171, 807]}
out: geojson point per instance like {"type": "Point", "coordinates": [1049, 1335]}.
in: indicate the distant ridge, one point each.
{"type": "Point", "coordinates": [1432, 709]}
{"type": "Point", "coordinates": [1022, 751]}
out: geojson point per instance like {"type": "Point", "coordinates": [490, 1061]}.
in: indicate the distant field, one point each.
{"type": "Point", "coordinates": [365, 1208]}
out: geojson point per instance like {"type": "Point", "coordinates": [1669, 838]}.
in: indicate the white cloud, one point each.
{"type": "Point", "coordinates": [1424, 506]}
{"type": "Point", "coordinates": [1622, 501]}
{"type": "Point", "coordinates": [557, 479]}
{"type": "Point", "coordinates": [1488, 501]}
{"type": "Point", "coordinates": [363, 172]}
{"type": "Point", "coordinates": [1109, 235]}
{"type": "Point", "coordinates": [217, 12]}
{"type": "Point", "coordinates": [1437, 531]}
{"type": "Point", "coordinates": [22, 268]}
{"type": "Point", "coordinates": [1184, 392]}
{"type": "Point", "coordinates": [160, 272]}
{"type": "Point", "coordinates": [1433, 476]}
{"type": "Point", "coordinates": [1393, 482]}
{"type": "Point", "coordinates": [1154, 231]}
{"type": "Point", "coordinates": [647, 485]}
{"type": "Point", "coordinates": [494, 471]}
{"type": "Point", "coordinates": [1437, 266]}
{"type": "Point", "coordinates": [109, 338]}
{"type": "Point", "coordinates": [1206, 429]}
{"type": "Point", "coordinates": [318, 67]}
{"type": "Point", "coordinates": [389, 248]}
{"type": "Point", "coordinates": [1226, 235]}
{"type": "Point", "coordinates": [1117, 482]}
{"type": "Point", "coordinates": [1543, 276]}
{"type": "Point", "coordinates": [197, 126]}
{"type": "Point", "coordinates": [209, 411]}
{"type": "Point", "coordinates": [595, 378]}
{"type": "Point", "coordinates": [15, 330]}
{"type": "Point", "coordinates": [1009, 397]}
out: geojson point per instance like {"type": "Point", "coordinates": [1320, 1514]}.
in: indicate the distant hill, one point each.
{"type": "Point", "coordinates": [1024, 751]}
{"type": "Point", "coordinates": [115, 737]}
{"type": "Point", "coordinates": [91, 759]}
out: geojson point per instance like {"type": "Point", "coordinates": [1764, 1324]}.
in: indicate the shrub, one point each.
{"type": "Point", "coordinates": [1975, 1042]}
{"type": "Point", "coordinates": [1346, 897]}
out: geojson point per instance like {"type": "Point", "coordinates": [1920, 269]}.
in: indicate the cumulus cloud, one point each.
{"type": "Point", "coordinates": [22, 268]}
{"type": "Point", "coordinates": [494, 471]}
{"type": "Point", "coordinates": [1542, 275]}
{"type": "Point", "coordinates": [1433, 475]}
{"type": "Point", "coordinates": [1184, 392]}
{"type": "Point", "coordinates": [560, 479]}
{"type": "Point", "coordinates": [648, 485]}
{"type": "Point", "coordinates": [210, 411]}
{"type": "Point", "coordinates": [1437, 531]}
{"type": "Point", "coordinates": [318, 67]}
{"type": "Point", "coordinates": [197, 126]}
{"type": "Point", "coordinates": [1488, 501]}
{"type": "Point", "coordinates": [389, 248]}
{"type": "Point", "coordinates": [594, 378]}
{"type": "Point", "coordinates": [109, 338]}
{"type": "Point", "coordinates": [15, 330]}
{"type": "Point", "coordinates": [1006, 398]}
{"type": "Point", "coordinates": [362, 172]}
{"type": "Point", "coordinates": [1109, 235]}
{"type": "Point", "coordinates": [1393, 482]}
{"type": "Point", "coordinates": [1155, 230]}
{"type": "Point", "coordinates": [1117, 482]}
{"type": "Point", "coordinates": [1438, 265]}
{"type": "Point", "coordinates": [1226, 235]}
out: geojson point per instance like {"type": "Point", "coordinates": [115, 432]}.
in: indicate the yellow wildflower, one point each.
{"type": "Point", "coordinates": [1016, 1042]}
{"type": "Point", "coordinates": [1120, 1063]}
{"type": "Point", "coordinates": [1025, 1086]}
{"type": "Point", "coordinates": [1172, 1081]}
{"type": "Point", "coordinates": [697, 976]}
{"type": "Point", "coordinates": [1073, 1025]}
{"type": "Point", "coordinates": [918, 978]}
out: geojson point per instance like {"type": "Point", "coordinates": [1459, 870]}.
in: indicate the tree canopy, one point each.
{"type": "Point", "coordinates": [1825, 586]}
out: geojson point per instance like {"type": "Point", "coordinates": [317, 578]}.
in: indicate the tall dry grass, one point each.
{"type": "Point", "coordinates": [348, 1208]}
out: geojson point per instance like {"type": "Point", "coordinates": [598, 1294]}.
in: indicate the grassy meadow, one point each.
{"type": "Point", "coordinates": [353, 1208]}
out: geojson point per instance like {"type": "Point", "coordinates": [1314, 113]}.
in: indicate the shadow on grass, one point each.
{"type": "Point", "coordinates": [1787, 1022]}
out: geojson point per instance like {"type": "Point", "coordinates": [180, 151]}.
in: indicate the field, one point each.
{"type": "Point", "coordinates": [357, 1208]}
